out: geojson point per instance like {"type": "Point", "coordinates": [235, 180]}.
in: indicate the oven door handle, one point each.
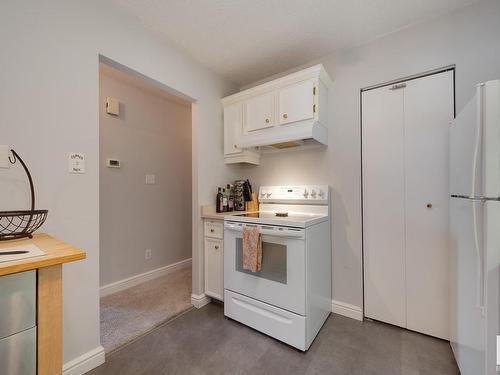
{"type": "Point", "coordinates": [274, 232]}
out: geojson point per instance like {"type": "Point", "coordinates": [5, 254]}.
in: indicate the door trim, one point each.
{"type": "Point", "coordinates": [451, 67]}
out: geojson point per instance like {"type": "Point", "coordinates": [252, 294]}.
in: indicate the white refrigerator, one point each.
{"type": "Point", "coordinates": [475, 232]}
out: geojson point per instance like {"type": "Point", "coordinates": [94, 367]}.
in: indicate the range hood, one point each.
{"type": "Point", "coordinates": [284, 136]}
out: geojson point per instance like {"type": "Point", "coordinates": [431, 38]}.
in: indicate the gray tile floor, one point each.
{"type": "Point", "coordinates": [204, 342]}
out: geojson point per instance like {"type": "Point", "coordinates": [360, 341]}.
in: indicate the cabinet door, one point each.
{"type": "Point", "coordinates": [296, 102]}
{"type": "Point", "coordinates": [383, 205]}
{"type": "Point", "coordinates": [214, 268]}
{"type": "Point", "coordinates": [232, 128]}
{"type": "Point", "coordinates": [428, 112]}
{"type": "Point", "coordinates": [259, 112]}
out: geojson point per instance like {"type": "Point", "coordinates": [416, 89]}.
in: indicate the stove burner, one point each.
{"type": "Point", "coordinates": [281, 214]}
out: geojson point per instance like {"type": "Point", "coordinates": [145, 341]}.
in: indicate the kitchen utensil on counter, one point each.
{"type": "Point", "coordinates": [20, 224]}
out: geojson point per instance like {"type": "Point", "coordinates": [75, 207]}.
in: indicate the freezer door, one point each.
{"type": "Point", "coordinates": [491, 138]}
{"type": "Point", "coordinates": [467, 322]}
{"type": "Point", "coordinates": [463, 136]}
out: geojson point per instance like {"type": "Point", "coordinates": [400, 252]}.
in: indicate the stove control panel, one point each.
{"type": "Point", "coordinates": [317, 194]}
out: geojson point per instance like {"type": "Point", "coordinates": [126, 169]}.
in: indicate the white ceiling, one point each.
{"type": "Point", "coordinates": [247, 40]}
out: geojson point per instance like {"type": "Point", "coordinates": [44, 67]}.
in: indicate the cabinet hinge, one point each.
{"type": "Point", "coordinates": [314, 107]}
{"type": "Point", "coordinates": [314, 90]}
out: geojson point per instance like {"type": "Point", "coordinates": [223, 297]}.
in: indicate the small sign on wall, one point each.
{"type": "Point", "coordinates": [76, 163]}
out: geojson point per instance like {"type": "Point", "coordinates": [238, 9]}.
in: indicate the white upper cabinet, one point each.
{"type": "Point", "coordinates": [259, 112]}
{"type": "Point", "coordinates": [280, 113]}
{"type": "Point", "coordinates": [296, 102]}
{"type": "Point", "coordinates": [232, 128]}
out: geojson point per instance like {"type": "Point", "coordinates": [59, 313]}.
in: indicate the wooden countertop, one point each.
{"type": "Point", "coordinates": [57, 252]}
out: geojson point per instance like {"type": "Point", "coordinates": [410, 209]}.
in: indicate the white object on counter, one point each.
{"type": "Point", "coordinates": [31, 252]}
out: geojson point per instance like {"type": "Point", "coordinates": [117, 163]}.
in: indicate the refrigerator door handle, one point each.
{"type": "Point", "coordinates": [480, 289]}
{"type": "Point", "coordinates": [479, 136]}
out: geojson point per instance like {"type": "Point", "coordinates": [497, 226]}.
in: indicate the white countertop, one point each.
{"type": "Point", "coordinates": [208, 212]}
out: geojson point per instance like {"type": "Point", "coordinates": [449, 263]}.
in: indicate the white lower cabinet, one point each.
{"type": "Point", "coordinates": [214, 259]}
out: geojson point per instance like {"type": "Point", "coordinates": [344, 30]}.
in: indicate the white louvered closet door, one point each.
{"type": "Point", "coordinates": [405, 203]}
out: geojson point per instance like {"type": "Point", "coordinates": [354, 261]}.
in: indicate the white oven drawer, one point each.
{"type": "Point", "coordinates": [280, 324]}
{"type": "Point", "coordinates": [214, 229]}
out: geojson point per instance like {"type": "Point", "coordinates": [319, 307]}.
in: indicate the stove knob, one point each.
{"type": "Point", "coordinates": [321, 194]}
{"type": "Point", "coordinates": [313, 193]}
{"type": "Point", "coordinates": [268, 195]}
{"type": "Point", "coordinates": [262, 195]}
{"type": "Point", "coordinates": [306, 193]}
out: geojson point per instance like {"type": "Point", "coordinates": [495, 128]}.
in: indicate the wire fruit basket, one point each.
{"type": "Point", "coordinates": [20, 224]}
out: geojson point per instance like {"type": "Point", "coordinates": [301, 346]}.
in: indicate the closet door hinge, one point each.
{"type": "Point", "coordinates": [314, 107]}
{"type": "Point", "coordinates": [398, 86]}
{"type": "Point", "coordinates": [314, 90]}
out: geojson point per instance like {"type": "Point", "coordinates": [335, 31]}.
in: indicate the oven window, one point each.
{"type": "Point", "coordinates": [273, 261]}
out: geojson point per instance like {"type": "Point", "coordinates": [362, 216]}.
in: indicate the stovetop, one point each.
{"type": "Point", "coordinates": [299, 220]}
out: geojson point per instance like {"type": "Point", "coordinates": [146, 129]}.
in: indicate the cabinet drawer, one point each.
{"type": "Point", "coordinates": [214, 229]}
{"type": "Point", "coordinates": [18, 353]}
{"type": "Point", "coordinates": [17, 302]}
{"type": "Point", "coordinates": [214, 268]}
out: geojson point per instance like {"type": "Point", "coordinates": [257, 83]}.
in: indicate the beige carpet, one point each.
{"type": "Point", "coordinates": [132, 312]}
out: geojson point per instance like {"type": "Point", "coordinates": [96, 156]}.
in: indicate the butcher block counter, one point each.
{"type": "Point", "coordinates": [31, 306]}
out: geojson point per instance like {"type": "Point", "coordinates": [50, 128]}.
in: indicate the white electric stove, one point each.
{"type": "Point", "coordinates": [290, 297]}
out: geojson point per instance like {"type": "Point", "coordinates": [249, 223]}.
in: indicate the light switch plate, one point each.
{"type": "Point", "coordinates": [4, 156]}
{"type": "Point", "coordinates": [112, 106]}
{"type": "Point", "coordinates": [76, 163]}
{"type": "Point", "coordinates": [150, 179]}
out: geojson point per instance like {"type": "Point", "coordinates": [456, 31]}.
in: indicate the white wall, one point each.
{"type": "Point", "coordinates": [151, 135]}
{"type": "Point", "coordinates": [468, 38]}
{"type": "Point", "coordinates": [49, 96]}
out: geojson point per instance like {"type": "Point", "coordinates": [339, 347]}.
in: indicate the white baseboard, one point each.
{"type": "Point", "coordinates": [84, 363]}
{"type": "Point", "coordinates": [199, 300]}
{"type": "Point", "coordinates": [346, 309]}
{"type": "Point", "coordinates": [143, 277]}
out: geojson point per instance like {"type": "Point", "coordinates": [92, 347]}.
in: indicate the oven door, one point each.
{"type": "Point", "coordinates": [281, 281]}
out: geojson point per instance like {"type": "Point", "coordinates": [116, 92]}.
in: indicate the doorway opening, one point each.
{"type": "Point", "coordinates": [145, 159]}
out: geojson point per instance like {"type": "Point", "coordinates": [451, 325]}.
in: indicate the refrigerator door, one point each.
{"type": "Point", "coordinates": [492, 282]}
{"type": "Point", "coordinates": [467, 322]}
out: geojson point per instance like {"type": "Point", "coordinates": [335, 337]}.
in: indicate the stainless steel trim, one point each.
{"type": "Point", "coordinates": [17, 302]}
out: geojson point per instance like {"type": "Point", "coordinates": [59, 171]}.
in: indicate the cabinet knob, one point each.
{"type": "Point", "coordinates": [285, 115]}
{"type": "Point", "coordinates": [267, 121]}
{"type": "Point", "coordinates": [216, 247]}
{"type": "Point", "coordinates": [429, 205]}
{"type": "Point", "coordinates": [211, 230]}
{"type": "Point", "coordinates": [235, 146]}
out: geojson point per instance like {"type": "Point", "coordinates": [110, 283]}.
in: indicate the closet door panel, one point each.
{"type": "Point", "coordinates": [428, 111]}
{"type": "Point", "coordinates": [383, 205]}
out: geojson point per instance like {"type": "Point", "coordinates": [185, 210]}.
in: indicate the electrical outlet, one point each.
{"type": "Point", "coordinates": [150, 179]}
{"type": "Point", "coordinates": [148, 254]}
{"type": "Point", "coordinates": [4, 156]}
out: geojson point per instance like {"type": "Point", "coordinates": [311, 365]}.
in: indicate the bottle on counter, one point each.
{"type": "Point", "coordinates": [219, 206]}
{"type": "Point", "coordinates": [224, 201]}
{"type": "Point", "coordinates": [230, 198]}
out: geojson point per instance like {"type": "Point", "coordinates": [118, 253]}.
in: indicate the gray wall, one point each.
{"type": "Point", "coordinates": [468, 38]}
{"type": "Point", "coordinates": [152, 135]}
{"type": "Point", "coordinates": [49, 107]}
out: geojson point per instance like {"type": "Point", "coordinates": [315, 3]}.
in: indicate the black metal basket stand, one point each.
{"type": "Point", "coordinates": [20, 224]}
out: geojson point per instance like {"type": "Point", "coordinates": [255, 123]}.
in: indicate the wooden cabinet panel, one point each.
{"type": "Point", "coordinates": [259, 112]}
{"type": "Point", "coordinates": [296, 102]}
